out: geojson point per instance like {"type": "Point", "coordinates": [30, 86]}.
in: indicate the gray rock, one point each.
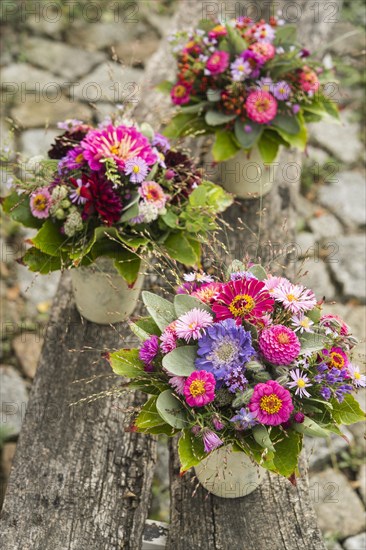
{"type": "Point", "coordinates": [37, 288]}
{"type": "Point", "coordinates": [347, 39]}
{"type": "Point", "coordinates": [315, 276]}
{"type": "Point", "coordinates": [362, 481]}
{"type": "Point", "coordinates": [44, 113]}
{"type": "Point", "coordinates": [37, 142]}
{"type": "Point", "coordinates": [348, 265]}
{"type": "Point", "coordinates": [13, 400]}
{"type": "Point", "coordinates": [355, 543]}
{"type": "Point", "coordinates": [305, 242]}
{"type": "Point", "coordinates": [52, 25]}
{"type": "Point", "coordinates": [333, 545]}
{"type": "Point", "coordinates": [346, 197]}
{"type": "Point", "coordinates": [110, 82]}
{"type": "Point", "coordinates": [305, 208]}
{"type": "Point", "coordinates": [136, 52]}
{"type": "Point", "coordinates": [325, 226]}
{"type": "Point", "coordinates": [27, 347]}
{"type": "Point", "coordinates": [342, 141]}
{"type": "Point", "coordinates": [20, 78]}
{"type": "Point", "coordinates": [338, 509]}
{"type": "Point", "coordinates": [317, 155]}
{"type": "Point", "coordinates": [104, 34]}
{"type": "Point", "coordinates": [7, 457]}
{"type": "Point", "coordinates": [61, 59]}
{"type": "Point", "coordinates": [320, 451]}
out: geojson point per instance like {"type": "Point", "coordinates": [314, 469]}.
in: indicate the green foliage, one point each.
{"type": "Point", "coordinates": [258, 271]}
{"type": "Point", "coordinates": [217, 118]}
{"type": "Point", "coordinates": [171, 410]}
{"type": "Point", "coordinates": [225, 146]}
{"type": "Point", "coordinates": [247, 139]}
{"type": "Point", "coordinates": [190, 450]}
{"type": "Point", "coordinates": [311, 428]}
{"type": "Point", "coordinates": [17, 206]}
{"type": "Point", "coordinates": [181, 361]}
{"type": "Point", "coordinates": [144, 328]}
{"type": "Point", "coordinates": [179, 247]}
{"type": "Point", "coordinates": [39, 262]}
{"type": "Point", "coordinates": [184, 303]}
{"type": "Point", "coordinates": [236, 42]}
{"type": "Point", "coordinates": [287, 453]}
{"type": "Point", "coordinates": [150, 421]}
{"type": "Point", "coordinates": [262, 437]}
{"type": "Point", "coordinates": [161, 310]}
{"type": "Point", "coordinates": [268, 148]}
{"type": "Point", "coordinates": [311, 341]}
{"type": "Point", "coordinates": [347, 412]}
{"type": "Point", "coordinates": [126, 362]}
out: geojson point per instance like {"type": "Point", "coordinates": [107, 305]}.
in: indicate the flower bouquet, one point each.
{"type": "Point", "coordinates": [252, 85]}
{"type": "Point", "coordinates": [242, 368]}
{"type": "Point", "coordinates": [107, 197]}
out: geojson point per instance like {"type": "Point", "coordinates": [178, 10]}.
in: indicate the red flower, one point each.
{"type": "Point", "coordinates": [102, 199]}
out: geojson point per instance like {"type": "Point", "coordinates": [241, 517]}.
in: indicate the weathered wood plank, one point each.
{"type": "Point", "coordinates": [276, 515]}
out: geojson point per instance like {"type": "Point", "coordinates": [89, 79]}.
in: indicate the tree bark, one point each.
{"type": "Point", "coordinates": [277, 515]}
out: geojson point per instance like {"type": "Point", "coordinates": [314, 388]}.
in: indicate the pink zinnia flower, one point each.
{"type": "Point", "coordinates": [193, 323]}
{"type": "Point", "coordinates": [40, 203]}
{"type": "Point", "coordinates": [152, 192]}
{"type": "Point", "coordinates": [218, 62]}
{"type": "Point", "coordinates": [294, 298]}
{"type": "Point", "coordinates": [217, 31]}
{"type": "Point", "coordinates": [180, 93]}
{"type": "Point", "coordinates": [121, 143]}
{"type": "Point", "coordinates": [336, 358]}
{"type": "Point", "coordinates": [334, 323]}
{"type": "Point", "coordinates": [168, 338]}
{"type": "Point", "coordinates": [261, 107]}
{"type": "Point", "coordinates": [199, 388]}
{"type": "Point", "coordinates": [279, 345]}
{"type": "Point", "coordinates": [264, 50]}
{"type": "Point", "coordinates": [208, 293]}
{"type": "Point", "coordinates": [242, 299]}
{"type": "Point", "coordinates": [271, 404]}
{"type": "Point", "coordinates": [309, 81]}
{"type": "Point", "coordinates": [211, 441]}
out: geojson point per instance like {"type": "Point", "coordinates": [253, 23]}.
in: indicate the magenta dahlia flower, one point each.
{"type": "Point", "coordinates": [40, 203]}
{"type": "Point", "coordinates": [199, 388]}
{"type": "Point", "coordinates": [121, 143]}
{"type": "Point", "coordinates": [180, 93]}
{"type": "Point", "coordinates": [271, 403]}
{"type": "Point", "coordinates": [279, 345]}
{"type": "Point", "coordinates": [218, 62]}
{"type": "Point", "coordinates": [261, 107]}
{"type": "Point", "coordinates": [243, 299]}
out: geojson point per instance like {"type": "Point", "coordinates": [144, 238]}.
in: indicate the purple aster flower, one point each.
{"type": "Point", "coordinates": [148, 351]}
{"type": "Point", "coordinates": [210, 440]}
{"type": "Point", "coordinates": [76, 195]}
{"type": "Point", "coordinates": [70, 124]}
{"type": "Point", "coordinates": [296, 108]}
{"type": "Point", "coordinates": [358, 379]}
{"type": "Point", "coordinates": [282, 90]}
{"type": "Point", "coordinates": [224, 347]}
{"type": "Point", "coordinates": [244, 419]}
{"type": "Point", "coordinates": [198, 276]}
{"type": "Point", "coordinates": [187, 288]}
{"type": "Point", "coordinates": [73, 160]}
{"type": "Point", "coordinates": [265, 84]}
{"type": "Point", "coordinates": [342, 391]}
{"type": "Point", "coordinates": [137, 169]}
{"type": "Point", "coordinates": [161, 141]}
{"type": "Point", "coordinates": [248, 129]}
{"type": "Point", "coordinates": [254, 61]}
{"type": "Point", "coordinates": [240, 69]}
{"type": "Point", "coordinates": [326, 393]}
{"type": "Point", "coordinates": [235, 380]}
{"type": "Point", "coordinates": [238, 275]}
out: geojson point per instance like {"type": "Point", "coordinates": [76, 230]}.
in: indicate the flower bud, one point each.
{"type": "Point", "coordinates": [60, 214]}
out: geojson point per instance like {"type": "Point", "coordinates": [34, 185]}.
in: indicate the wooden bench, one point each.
{"type": "Point", "coordinates": [79, 480]}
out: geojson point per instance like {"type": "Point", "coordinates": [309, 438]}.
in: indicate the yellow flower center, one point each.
{"type": "Point", "coordinates": [283, 338]}
{"type": "Point", "coordinates": [114, 149]}
{"type": "Point", "coordinates": [305, 322]}
{"type": "Point", "coordinates": [301, 383]}
{"type": "Point", "coordinates": [241, 305]}
{"type": "Point", "coordinates": [262, 105]}
{"type": "Point", "coordinates": [291, 297]}
{"type": "Point", "coordinates": [136, 169]}
{"type": "Point", "coordinates": [270, 403]}
{"type": "Point", "coordinates": [193, 325]}
{"type": "Point", "coordinates": [197, 388]}
{"type": "Point", "coordinates": [79, 158]}
{"type": "Point", "coordinates": [336, 360]}
{"type": "Point", "coordinates": [357, 375]}
{"type": "Point", "coordinates": [40, 202]}
{"type": "Point", "coordinates": [179, 91]}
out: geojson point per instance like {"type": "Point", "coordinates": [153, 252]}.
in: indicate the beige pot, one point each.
{"type": "Point", "coordinates": [229, 475]}
{"type": "Point", "coordinates": [102, 295]}
{"type": "Point", "coordinates": [246, 176]}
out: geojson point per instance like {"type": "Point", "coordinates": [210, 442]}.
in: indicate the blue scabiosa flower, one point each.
{"type": "Point", "coordinates": [225, 347]}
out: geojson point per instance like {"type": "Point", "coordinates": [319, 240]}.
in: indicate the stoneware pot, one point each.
{"type": "Point", "coordinates": [246, 176]}
{"type": "Point", "coordinates": [229, 474]}
{"type": "Point", "coordinates": [102, 295]}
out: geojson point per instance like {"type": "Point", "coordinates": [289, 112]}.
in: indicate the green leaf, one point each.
{"type": "Point", "coordinates": [311, 428]}
{"type": "Point", "coordinates": [247, 139]}
{"type": "Point", "coordinates": [314, 314]}
{"type": "Point", "coordinates": [298, 140]}
{"type": "Point", "coordinates": [171, 410]}
{"type": "Point", "coordinates": [311, 341]}
{"type": "Point", "coordinates": [216, 118]}
{"type": "Point", "coordinates": [289, 124]}
{"type": "Point", "coordinates": [347, 412]}
{"type": "Point", "coordinates": [17, 206]}
{"type": "Point", "coordinates": [268, 148]}
{"type": "Point", "coordinates": [180, 361]}
{"type": "Point", "coordinates": [184, 303]}
{"type": "Point", "coordinates": [198, 197]}
{"type": "Point", "coordinates": [40, 262]}
{"type": "Point", "coordinates": [216, 197]}
{"type": "Point", "coordinates": [213, 95]}
{"type": "Point", "coordinates": [287, 452]}
{"type": "Point", "coordinates": [164, 87]}
{"type": "Point", "coordinates": [261, 436]}
{"type": "Point", "coordinates": [190, 450]}
{"type": "Point", "coordinates": [171, 219]}
{"type": "Point", "coordinates": [258, 271]}
{"type": "Point", "coordinates": [131, 212]}
{"type": "Point", "coordinates": [49, 239]}
{"type": "Point", "coordinates": [126, 362]}
{"type": "Point", "coordinates": [148, 384]}
{"type": "Point", "coordinates": [179, 248]}
{"type": "Point", "coordinates": [196, 108]}
{"type": "Point", "coordinates": [286, 34]}
{"type": "Point", "coordinates": [162, 311]}
{"type": "Point", "coordinates": [237, 43]}
{"type": "Point", "coordinates": [225, 146]}
{"type": "Point", "coordinates": [185, 124]}
{"type": "Point", "coordinates": [150, 421]}
{"type": "Point", "coordinates": [144, 328]}
{"type": "Point", "coordinates": [128, 266]}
